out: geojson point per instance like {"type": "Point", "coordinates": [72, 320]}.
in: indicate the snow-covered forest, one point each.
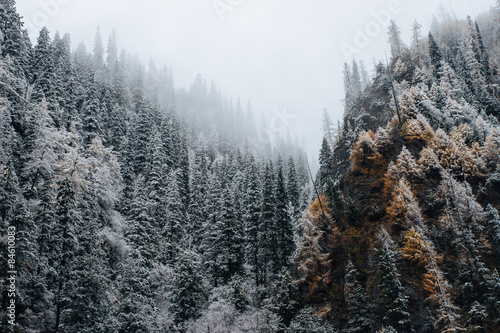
{"type": "Point", "coordinates": [128, 204]}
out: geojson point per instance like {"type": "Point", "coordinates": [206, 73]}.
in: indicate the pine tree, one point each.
{"type": "Point", "coordinates": [267, 233]}
{"type": "Point", "coordinates": [11, 30]}
{"type": "Point", "coordinates": [63, 245]}
{"type": "Point", "coordinates": [112, 58]}
{"type": "Point", "coordinates": [493, 219]}
{"type": "Point", "coordinates": [283, 224]}
{"type": "Point", "coordinates": [293, 189]}
{"type": "Point", "coordinates": [356, 87]}
{"type": "Point", "coordinates": [43, 69]}
{"type": "Point", "coordinates": [328, 128]}
{"type": "Point", "coordinates": [91, 116]}
{"type": "Point", "coordinates": [188, 287]}
{"type": "Point", "coordinates": [142, 124]}
{"type": "Point", "coordinates": [282, 296]}
{"type": "Point", "coordinates": [197, 212]}
{"type": "Point", "coordinates": [395, 40]}
{"type": "Point", "coordinates": [98, 56]}
{"type": "Point", "coordinates": [174, 222]}
{"type": "Point", "coordinates": [358, 308]}
{"type": "Point", "coordinates": [251, 217]}
{"type": "Point", "coordinates": [435, 55]}
{"type": "Point", "coordinates": [325, 164]}
{"type": "Point", "coordinates": [307, 321]}
{"type": "Point", "coordinates": [483, 56]}
{"type": "Point", "coordinates": [393, 299]}
{"type": "Point", "coordinates": [66, 87]}
{"type": "Point", "coordinates": [416, 44]}
{"type": "Point", "coordinates": [136, 309]}
{"type": "Point", "coordinates": [226, 252]}
{"type": "Point", "coordinates": [139, 226]}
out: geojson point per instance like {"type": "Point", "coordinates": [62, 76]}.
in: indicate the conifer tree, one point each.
{"type": "Point", "coordinates": [293, 189]}
{"type": "Point", "coordinates": [307, 321]}
{"type": "Point", "coordinates": [393, 299]}
{"type": "Point", "coordinates": [98, 56]}
{"type": "Point", "coordinates": [435, 55]}
{"type": "Point", "coordinates": [493, 219]}
{"type": "Point", "coordinates": [136, 309]}
{"type": "Point", "coordinates": [188, 287]}
{"type": "Point", "coordinates": [91, 116]}
{"type": "Point", "coordinates": [251, 217]}
{"type": "Point", "coordinates": [325, 164]}
{"type": "Point", "coordinates": [358, 308]}
{"type": "Point", "coordinates": [63, 245]}
{"type": "Point", "coordinates": [267, 233]}
{"type": "Point", "coordinates": [283, 224]}
{"type": "Point", "coordinates": [356, 87]}
{"type": "Point", "coordinates": [11, 29]}
{"type": "Point", "coordinates": [43, 69]}
{"type": "Point", "coordinates": [395, 40]}
{"type": "Point", "coordinates": [328, 128]}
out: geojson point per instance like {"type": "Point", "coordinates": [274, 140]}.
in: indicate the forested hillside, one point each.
{"type": "Point", "coordinates": [405, 235]}
{"type": "Point", "coordinates": [128, 204]}
{"type": "Point", "coordinates": [137, 206]}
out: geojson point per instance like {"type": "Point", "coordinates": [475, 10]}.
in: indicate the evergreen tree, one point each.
{"type": "Point", "coordinates": [328, 128]}
{"type": "Point", "coordinates": [358, 308]}
{"type": "Point", "coordinates": [188, 287]}
{"type": "Point", "coordinates": [493, 219]}
{"type": "Point", "coordinates": [395, 40]}
{"type": "Point", "coordinates": [98, 56]}
{"type": "Point", "coordinates": [307, 321]}
{"type": "Point", "coordinates": [63, 245]}
{"type": "Point", "coordinates": [283, 224]}
{"type": "Point", "coordinates": [226, 252]}
{"type": "Point", "coordinates": [91, 116]}
{"type": "Point", "coordinates": [11, 29]}
{"type": "Point", "coordinates": [267, 233]}
{"type": "Point", "coordinates": [356, 87]}
{"type": "Point", "coordinates": [293, 189]}
{"type": "Point", "coordinates": [43, 69]}
{"type": "Point", "coordinates": [173, 225]}
{"type": "Point", "coordinates": [136, 309]}
{"type": "Point", "coordinates": [325, 164]}
{"type": "Point", "coordinates": [435, 55]}
{"type": "Point", "coordinates": [393, 299]}
{"type": "Point", "coordinates": [251, 217]}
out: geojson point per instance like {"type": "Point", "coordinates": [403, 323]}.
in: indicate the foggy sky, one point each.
{"type": "Point", "coordinates": [285, 56]}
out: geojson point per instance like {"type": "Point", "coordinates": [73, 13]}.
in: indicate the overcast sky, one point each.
{"type": "Point", "coordinates": [286, 56]}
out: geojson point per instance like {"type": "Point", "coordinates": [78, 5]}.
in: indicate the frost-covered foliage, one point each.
{"type": "Point", "coordinates": [419, 158]}
{"type": "Point", "coordinates": [139, 207]}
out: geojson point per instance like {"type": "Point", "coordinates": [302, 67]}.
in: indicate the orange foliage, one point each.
{"type": "Point", "coordinates": [417, 129]}
{"type": "Point", "coordinates": [404, 208]}
{"type": "Point", "coordinates": [431, 287]}
{"type": "Point", "coordinates": [390, 179]}
{"type": "Point", "coordinates": [315, 207]}
{"type": "Point", "coordinates": [365, 156]}
{"type": "Point", "coordinates": [414, 249]}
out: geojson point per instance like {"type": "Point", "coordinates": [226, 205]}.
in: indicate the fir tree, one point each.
{"type": "Point", "coordinates": [266, 232]}
{"type": "Point", "coordinates": [325, 164]}
{"type": "Point", "coordinates": [358, 308]}
{"type": "Point", "coordinates": [188, 287]}
{"type": "Point", "coordinates": [251, 217]}
{"type": "Point", "coordinates": [43, 68]}
{"type": "Point", "coordinates": [435, 55]}
{"type": "Point", "coordinates": [293, 189]}
{"type": "Point", "coordinates": [393, 299]}
{"type": "Point", "coordinates": [283, 224]}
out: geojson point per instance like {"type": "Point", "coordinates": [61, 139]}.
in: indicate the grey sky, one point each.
{"type": "Point", "coordinates": [280, 54]}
